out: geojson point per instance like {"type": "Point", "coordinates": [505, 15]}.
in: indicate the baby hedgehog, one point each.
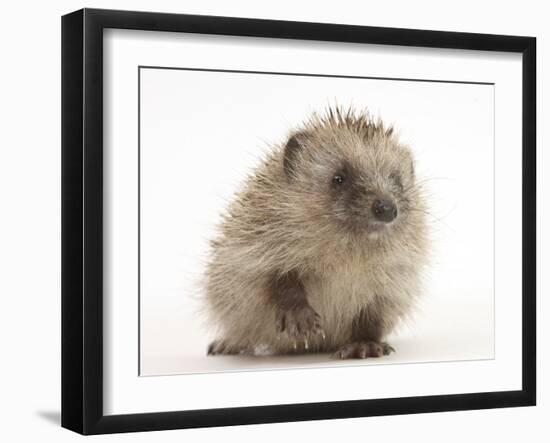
{"type": "Point", "coordinates": [322, 249]}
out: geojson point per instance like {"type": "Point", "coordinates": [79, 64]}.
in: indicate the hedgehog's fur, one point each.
{"type": "Point", "coordinates": [289, 220]}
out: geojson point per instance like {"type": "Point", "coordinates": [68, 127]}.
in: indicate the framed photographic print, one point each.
{"type": "Point", "coordinates": [268, 221]}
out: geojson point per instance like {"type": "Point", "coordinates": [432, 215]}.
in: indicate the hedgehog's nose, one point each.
{"type": "Point", "coordinates": [384, 210]}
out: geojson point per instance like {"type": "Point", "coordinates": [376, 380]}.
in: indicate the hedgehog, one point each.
{"type": "Point", "coordinates": [322, 249]}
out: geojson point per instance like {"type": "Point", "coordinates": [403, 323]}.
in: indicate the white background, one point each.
{"type": "Point", "coordinates": [202, 132]}
{"type": "Point", "coordinates": [30, 257]}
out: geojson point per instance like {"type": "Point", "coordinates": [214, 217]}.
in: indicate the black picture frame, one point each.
{"type": "Point", "coordinates": [82, 220]}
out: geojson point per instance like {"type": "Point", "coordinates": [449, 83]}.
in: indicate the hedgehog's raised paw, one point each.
{"type": "Point", "coordinates": [363, 349]}
{"type": "Point", "coordinates": [299, 323]}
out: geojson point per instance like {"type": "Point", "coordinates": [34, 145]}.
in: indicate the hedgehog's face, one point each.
{"type": "Point", "coordinates": [361, 186]}
{"type": "Point", "coordinates": [364, 195]}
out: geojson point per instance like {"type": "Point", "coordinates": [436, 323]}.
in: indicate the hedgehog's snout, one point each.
{"type": "Point", "coordinates": [384, 210]}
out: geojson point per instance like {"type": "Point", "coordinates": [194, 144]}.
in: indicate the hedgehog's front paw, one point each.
{"type": "Point", "coordinates": [300, 323]}
{"type": "Point", "coordinates": [364, 349]}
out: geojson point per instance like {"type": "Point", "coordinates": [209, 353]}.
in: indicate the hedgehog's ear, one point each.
{"type": "Point", "coordinates": [292, 152]}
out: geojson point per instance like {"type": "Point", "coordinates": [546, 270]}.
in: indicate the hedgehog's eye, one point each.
{"type": "Point", "coordinates": [396, 178]}
{"type": "Point", "coordinates": [338, 179]}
